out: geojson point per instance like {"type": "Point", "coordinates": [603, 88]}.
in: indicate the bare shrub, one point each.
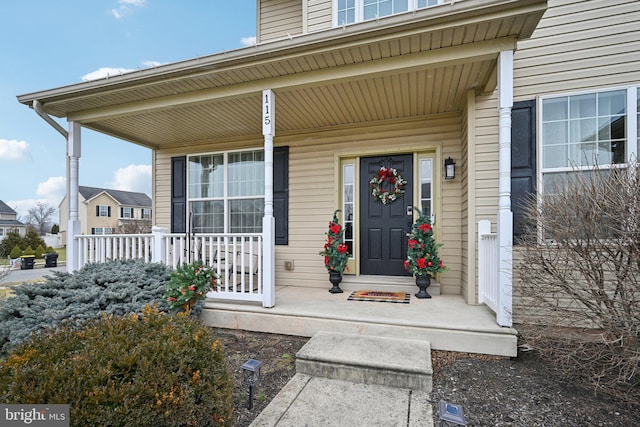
{"type": "Point", "coordinates": [578, 283]}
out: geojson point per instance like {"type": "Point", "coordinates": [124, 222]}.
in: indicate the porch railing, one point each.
{"type": "Point", "coordinates": [238, 259]}
{"type": "Point", "coordinates": [488, 280]}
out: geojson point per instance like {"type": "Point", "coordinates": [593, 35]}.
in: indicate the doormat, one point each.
{"type": "Point", "coordinates": [380, 296]}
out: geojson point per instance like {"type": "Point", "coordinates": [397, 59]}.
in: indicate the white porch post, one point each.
{"type": "Point", "coordinates": [505, 216]}
{"type": "Point", "coordinates": [73, 226]}
{"type": "Point", "coordinates": [158, 247]}
{"type": "Point", "coordinates": [268, 222]}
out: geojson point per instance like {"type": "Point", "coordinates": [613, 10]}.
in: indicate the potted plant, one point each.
{"type": "Point", "coordinates": [335, 253]}
{"type": "Point", "coordinates": [422, 255]}
{"type": "Point", "coordinates": [189, 284]}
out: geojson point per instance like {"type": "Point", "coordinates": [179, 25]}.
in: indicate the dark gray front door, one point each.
{"type": "Point", "coordinates": [384, 228]}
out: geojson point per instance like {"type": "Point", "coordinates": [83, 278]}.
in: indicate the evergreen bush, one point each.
{"type": "Point", "coordinates": [152, 369]}
{"type": "Point", "coordinates": [115, 287]}
{"type": "Point", "coordinates": [11, 240]}
{"type": "Point", "coordinates": [29, 251]}
{"type": "Point", "coordinates": [15, 252]}
{"type": "Point", "coordinates": [40, 251]}
{"type": "Point", "coordinates": [50, 250]}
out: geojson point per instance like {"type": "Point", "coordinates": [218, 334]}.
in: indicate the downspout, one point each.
{"type": "Point", "coordinates": [47, 118]}
{"type": "Point", "coordinates": [37, 106]}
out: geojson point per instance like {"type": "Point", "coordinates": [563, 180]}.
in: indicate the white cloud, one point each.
{"type": "Point", "coordinates": [53, 190]}
{"type": "Point", "coordinates": [132, 178]}
{"type": "Point", "coordinates": [10, 149]}
{"type": "Point", "coordinates": [151, 64]}
{"type": "Point", "coordinates": [124, 9]}
{"type": "Point", "coordinates": [105, 72]}
{"type": "Point", "coordinates": [248, 41]}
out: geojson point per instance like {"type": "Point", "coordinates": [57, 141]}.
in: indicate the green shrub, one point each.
{"type": "Point", "coordinates": [29, 251]}
{"type": "Point", "coordinates": [50, 250]}
{"type": "Point", "coordinates": [152, 369]}
{"type": "Point", "coordinates": [114, 287]}
{"type": "Point", "coordinates": [39, 251]}
{"type": "Point", "coordinates": [15, 252]}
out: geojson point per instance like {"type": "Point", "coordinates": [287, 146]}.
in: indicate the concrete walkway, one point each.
{"type": "Point", "coordinates": [355, 380]}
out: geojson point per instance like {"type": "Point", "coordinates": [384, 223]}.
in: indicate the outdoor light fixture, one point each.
{"type": "Point", "coordinates": [449, 168]}
{"type": "Point", "coordinates": [251, 377]}
{"type": "Point", "coordinates": [450, 413]}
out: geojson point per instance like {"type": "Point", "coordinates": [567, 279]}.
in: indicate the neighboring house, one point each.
{"type": "Point", "coordinates": [514, 92]}
{"type": "Point", "coordinates": [105, 211]}
{"type": "Point", "coordinates": [9, 221]}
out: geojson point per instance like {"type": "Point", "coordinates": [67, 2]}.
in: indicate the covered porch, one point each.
{"type": "Point", "coordinates": [405, 85]}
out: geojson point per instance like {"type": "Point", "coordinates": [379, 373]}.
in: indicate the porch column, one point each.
{"type": "Point", "coordinates": [505, 216]}
{"type": "Point", "coordinates": [73, 226]}
{"type": "Point", "coordinates": [269, 221]}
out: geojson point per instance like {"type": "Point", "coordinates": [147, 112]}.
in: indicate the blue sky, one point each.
{"type": "Point", "coordinates": [46, 44]}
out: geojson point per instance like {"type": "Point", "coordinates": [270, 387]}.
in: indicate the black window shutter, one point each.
{"type": "Point", "coordinates": [97, 210]}
{"type": "Point", "coordinates": [121, 212]}
{"type": "Point", "coordinates": [93, 230]}
{"type": "Point", "coordinates": [523, 160]}
{"type": "Point", "coordinates": [281, 194]}
{"type": "Point", "coordinates": [179, 194]}
{"type": "Point", "coordinates": [109, 211]}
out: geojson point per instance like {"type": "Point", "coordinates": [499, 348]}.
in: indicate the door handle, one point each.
{"type": "Point", "coordinates": [409, 210]}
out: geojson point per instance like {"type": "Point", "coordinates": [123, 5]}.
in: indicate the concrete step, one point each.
{"type": "Point", "coordinates": [366, 359]}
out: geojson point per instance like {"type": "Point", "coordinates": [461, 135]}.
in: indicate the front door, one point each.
{"type": "Point", "coordinates": [384, 227]}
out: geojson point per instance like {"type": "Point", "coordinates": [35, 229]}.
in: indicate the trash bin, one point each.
{"type": "Point", "coordinates": [50, 260]}
{"type": "Point", "coordinates": [27, 262]}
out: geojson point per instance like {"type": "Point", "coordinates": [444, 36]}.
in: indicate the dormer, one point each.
{"type": "Point", "coordinates": [280, 19]}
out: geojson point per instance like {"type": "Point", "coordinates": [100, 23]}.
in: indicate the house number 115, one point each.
{"type": "Point", "coordinates": [268, 127]}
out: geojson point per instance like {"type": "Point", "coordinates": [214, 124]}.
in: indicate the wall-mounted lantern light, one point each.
{"type": "Point", "coordinates": [449, 168]}
{"type": "Point", "coordinates": [251, 377]}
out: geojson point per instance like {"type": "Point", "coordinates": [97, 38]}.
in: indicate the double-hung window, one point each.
{"type": "Point", "coordinates": [580, 131]}
{"type": "Point", "coordinates": [146, 213]}
{"type": "Point", "coordinates": [103, 210]}
{"type": "Point", "coordinates": [126, 213]}
{"type": "Point", "coordinates": [351, 11]}
{"type": "Point", "coordinates": [226, 192]}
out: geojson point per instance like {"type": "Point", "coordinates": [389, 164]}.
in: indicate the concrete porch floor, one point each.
{"type": "Point", "coordinates": [446, 321]}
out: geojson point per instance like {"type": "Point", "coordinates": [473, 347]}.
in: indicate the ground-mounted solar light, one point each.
{"type": "Point", "coordinates": [251, 377]}
{"type": "Point", "coordinates": [450, 413]}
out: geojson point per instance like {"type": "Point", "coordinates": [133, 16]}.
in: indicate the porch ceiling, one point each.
{"type": "Point", "coordinates": [402, 66]}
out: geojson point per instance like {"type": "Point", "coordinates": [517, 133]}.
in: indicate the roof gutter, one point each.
{"type": "Point", "coordinates": [47, 118]}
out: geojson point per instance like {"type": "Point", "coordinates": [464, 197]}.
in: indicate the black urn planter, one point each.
{"type": "Point", "coordinates": [335, 278]}
{"type": "Point", "coordinates": [423, 282]}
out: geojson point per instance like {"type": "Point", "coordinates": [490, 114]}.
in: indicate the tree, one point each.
{"type": "Point", "coordinates": [55, 229]}
{"type": "Point", "coordinates": [32, 239]}
{"type": "Point", "coordinates": [12, 239]}
{"type": "Point", "coordinates": [40, 217]}
{"type": "Point", "coordinates": [138, 226]}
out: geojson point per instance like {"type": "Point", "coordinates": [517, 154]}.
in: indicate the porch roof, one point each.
{"type": "Point", "coordinates": [402, 66]}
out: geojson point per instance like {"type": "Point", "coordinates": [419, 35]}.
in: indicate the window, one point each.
{"type": "Point", "coordinates": [103, 210]}
{"type": "Point", "coordinates": [126, 213]}
{"type": "Point", "coordinates": [102, 230]}
{"type": "Point", "coordinates": [146, 213]}
{"type": "Point", "coordinates": [352, 11]}
{"type": "Point", "coordinates": [348, 203]}
{"type": "Point", "coordinates": [426, 187]}
{"type": "Point", "coordinates": [378, 8]}
{"type": "Point", "coordinates": [586, 129]}
{"type": "Point", "coordinates": [226, 192]}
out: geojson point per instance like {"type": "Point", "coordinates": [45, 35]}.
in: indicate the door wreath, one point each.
{"type": "Point", "coordinates": [395, 180]}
